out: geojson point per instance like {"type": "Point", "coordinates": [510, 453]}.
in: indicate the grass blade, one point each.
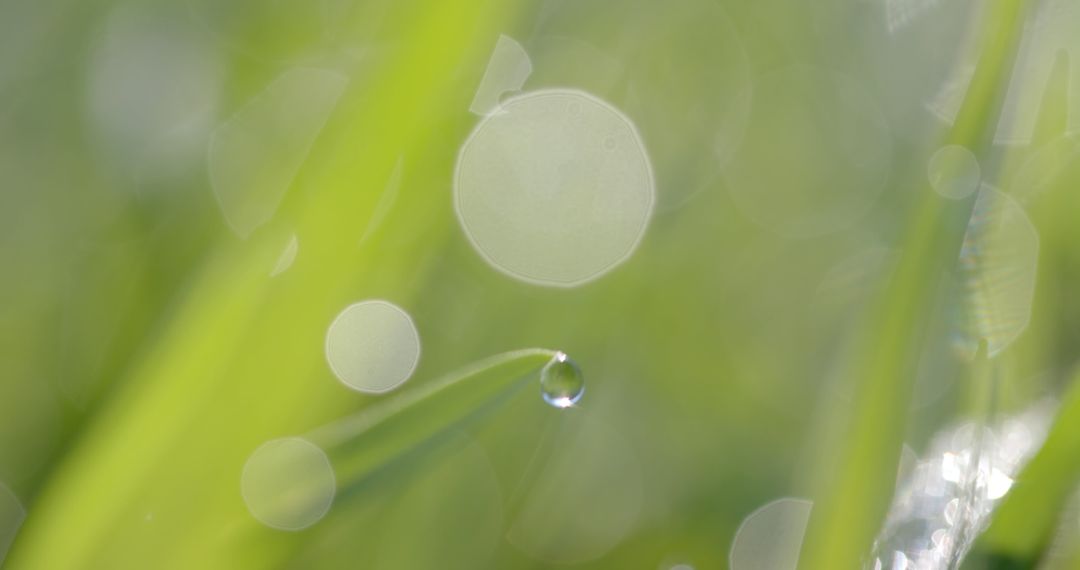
{"type": "Point", "coordinates": [362, 444]}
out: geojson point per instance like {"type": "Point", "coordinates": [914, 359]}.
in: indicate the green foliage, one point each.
{"type": "Point", "coordinates": [145, 351]}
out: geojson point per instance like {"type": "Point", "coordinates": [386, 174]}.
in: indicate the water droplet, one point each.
{"type": "Point", "coordinates": [561, 381]}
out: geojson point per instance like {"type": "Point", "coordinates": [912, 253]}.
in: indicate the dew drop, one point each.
{"type": "Point", "coordinates": [561, 381]}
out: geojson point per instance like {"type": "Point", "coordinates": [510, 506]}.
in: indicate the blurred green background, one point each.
{"type": "Point", "coordinates": [784, 326]}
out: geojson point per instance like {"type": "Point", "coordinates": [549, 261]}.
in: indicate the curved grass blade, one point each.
{"type": "Point", "coordinates": [374, 449]}
{"type": "Point", "coordinates": [362, 444]}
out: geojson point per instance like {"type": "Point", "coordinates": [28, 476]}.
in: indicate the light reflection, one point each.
{"type": "Point", "coordinates": [771, 537]}
{"type": "Point", "coordinates": [256, 154]}
{"type": "Point", "coordinates": [1050, 45]}
{"type": "Point", "coordinates": [506, 71]}
{"type": "Point", "coordinates": [373, 346]}
{"type": "Point", "coordinates": [288, 484]}
{"type": "Point", "coordinates": [690, 109]}
{"type": "Point", "coordinates": [954, 172]}
{"type": "Point", "coordinates": [947, 501]}
{"type": "Point", "coordinates": [556, 189]}
{"type": "Point", "coordinates": [562, 383]}
{"type": "Point", "coordinates": [997, 270]}
{"type": "Point", "coordinates": [1048, 165]}
{"type": "Point", "coordinates": [945, 103]}
{"type": "Point", "coordinates": [386, 201]}
{"type": "Point", "coordinates": [1047, 51]}
{"type": "Point", "coordinates": [287, 257]}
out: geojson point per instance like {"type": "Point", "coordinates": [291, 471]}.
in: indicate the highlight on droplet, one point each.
{"type": "Point", "coordinates": [561, 382]}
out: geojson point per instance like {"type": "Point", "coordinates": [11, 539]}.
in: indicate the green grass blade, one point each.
{"type": "Point", "coordinates": [856, 476]}
{"type": "Point", "coordinates": [362, 444]}
{"type": "Point", "coordinates": [240, 358]}
{"type": "Point", "coordinates": [1024, 523]}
